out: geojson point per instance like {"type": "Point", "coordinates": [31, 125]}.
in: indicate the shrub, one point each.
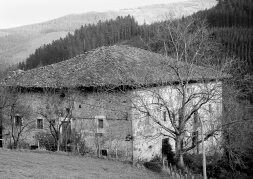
{"type": "Point", "coordinates": [46, 141]}
{"type": "Point", "coordinates": [83, 149]}
{"type": "Point", "coordinates": [156, 158]}
{"type": "Point", "coordinates": [23, 144]}
{"type": "Point", "coordinates": [154, 166]}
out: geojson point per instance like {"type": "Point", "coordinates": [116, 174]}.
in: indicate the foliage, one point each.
{"type": "Point", "coordinates": [230, 21]}
{"type": "Point", "coordinates": [153, 166]}
{"type": "Point", "coordinates": [46, 141]}
{"type": "Point", "coordinates": [84, 39]}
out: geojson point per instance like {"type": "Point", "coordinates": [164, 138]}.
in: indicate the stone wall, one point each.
{"type": "Point", "coordinates": [120, 118]}
{"type": "Point", "coordinates": [86, 108]}
{"type": "Point", "coordinates": [148, 141]}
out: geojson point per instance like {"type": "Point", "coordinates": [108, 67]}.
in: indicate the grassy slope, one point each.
{"type": "Point", "coordinates": [20, 165]}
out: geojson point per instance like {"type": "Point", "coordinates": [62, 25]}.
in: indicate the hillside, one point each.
{"type": "Point", "coordinates": [16, 44]}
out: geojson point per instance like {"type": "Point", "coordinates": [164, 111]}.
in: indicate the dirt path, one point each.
{"type": "Point", "coordinates": [15, 164]}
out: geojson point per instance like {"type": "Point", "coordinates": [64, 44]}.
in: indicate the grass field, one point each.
{"type": "Point", "coordinates": [16, 164]}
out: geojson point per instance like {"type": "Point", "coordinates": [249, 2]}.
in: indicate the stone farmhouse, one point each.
{"type": "Point", "coordinates": [101, 95]}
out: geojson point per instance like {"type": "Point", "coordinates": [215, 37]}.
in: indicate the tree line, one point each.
{"type": "Point", "coordinates": [230, 22]}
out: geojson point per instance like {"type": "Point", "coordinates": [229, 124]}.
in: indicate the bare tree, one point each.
{"type": "Point", "coordinates": [57, 111]}
{"type": "Point", "coordinates": [237, 118]}
{"type": "Point", "coordinates": [189, 44]}
{"type": "Point", "coordinates": [16, 117]}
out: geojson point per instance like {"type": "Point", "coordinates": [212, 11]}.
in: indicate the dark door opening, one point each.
{"type": "Point", "coordinates": [167, 151]}
{"type": "Point", "coordinates": [66, 135]}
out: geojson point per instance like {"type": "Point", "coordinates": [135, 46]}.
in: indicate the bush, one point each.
{"type": "Point", "coordinates": [83, 149]}
{"type": "Point", "coordinates": [156, 158]}
{"type": "Point", "coordinates": [154, 166]}
{"type": "Point", "coordinates": [46, 141]}
{"type": "Point", "coordinates": [23, 144]}
{"type": "Point", "coordinates": [217, 167]}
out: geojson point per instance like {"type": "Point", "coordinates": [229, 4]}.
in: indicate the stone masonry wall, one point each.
{"type": "Point", "coordinates": [86, 109]}
{"type": "Point", "coordinates": [147, 141]}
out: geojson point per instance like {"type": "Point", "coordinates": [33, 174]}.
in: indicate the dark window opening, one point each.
{"type": "Point", "coordinates": [18, 120]}
{"type": "Point", "coordinates": [39, 123]}
{"type": "Point", "coordinates": [100, 123]}
{"type": "Point", "coordinates": [164, 115]}
{"type": "Point", "coordinates": [68, 110]}
{"type": "Point", "coordinates": [66, 132]}
{"type": "Point", "coordinates": [104, 152]}
{"type": "Point", "coordinates": [62, 95]}
{"type": "Point", "coordinates": [210, 108]}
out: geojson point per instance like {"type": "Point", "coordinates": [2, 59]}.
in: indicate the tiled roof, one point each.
{"type": "Point", "coordinates": [111, 65]}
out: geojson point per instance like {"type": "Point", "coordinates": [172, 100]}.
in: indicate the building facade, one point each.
{"type": "Point", "coordinates": [102, 109]}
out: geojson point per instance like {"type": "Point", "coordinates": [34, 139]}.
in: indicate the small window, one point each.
{"type": "Point", "coordinates": [210, 108]}
{"type": "Point", "coordinates": [18, 120]}
{"type": "Point", "coordinates": [68, 110]}
{"type": "Point", "coordinates": [100, 123]}
{"type": "Point", "coordinates": [39, 123]}
{"type": "Point", "coordinates": [103, 152]}
{"type": "Point", "coordinates": [164, 115]}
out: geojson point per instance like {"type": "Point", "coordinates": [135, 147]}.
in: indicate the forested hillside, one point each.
{"type": "Point", "coordinates": [230, 22]}
{"type": "Point", "coordinates": [16, 44]}
{"type": "Point", "coordinates": [84, 39]}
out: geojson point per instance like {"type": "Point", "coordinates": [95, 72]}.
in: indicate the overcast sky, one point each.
{"type": "Point", "coordinates": [22, 12]}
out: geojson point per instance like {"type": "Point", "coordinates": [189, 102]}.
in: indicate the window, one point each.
{"type": "Point", "coordinates": [103, 152]}
{"type": "Point", "coordinates": [18, 120]}
{"type": "Point", "coordinates": [210, 108]}
{"type": "Point", "coordinates": [39, 123]}
{"type": "Point", "coordinates": [68, 110]}
{"type": "Point", "coordinates": [100, 123]}
{"type": "Point", "coordinates": [164, 115]}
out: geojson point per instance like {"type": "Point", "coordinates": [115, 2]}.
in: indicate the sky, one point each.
{"type": "Point", "coordinates": [15, 13]}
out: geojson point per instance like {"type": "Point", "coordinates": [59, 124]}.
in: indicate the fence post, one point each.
{"type": "Point", "coordinates": [163, 163]}
{"type": "Point", "coordinates": [170, 169]}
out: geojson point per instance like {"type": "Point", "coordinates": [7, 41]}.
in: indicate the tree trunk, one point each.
{"type": "Point", "coordinates": [203, 151]}
{"type": "Point", "coordinates": [58, 145]}
{"type": "Point", "coordinates": [15, 144]}
{"type": "Point", "coordinates": [179, 152]}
